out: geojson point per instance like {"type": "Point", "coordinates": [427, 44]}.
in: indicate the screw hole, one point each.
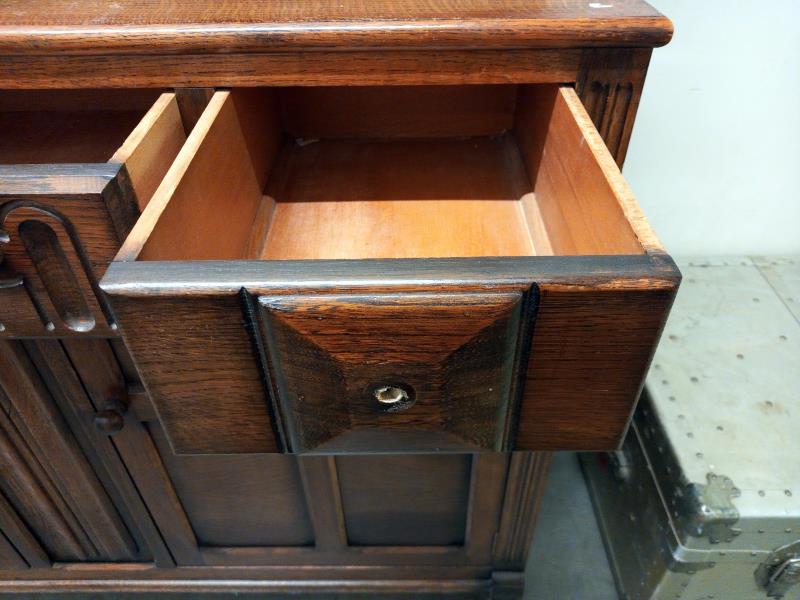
{"type": "Point", "coordinates": [393, 398]}
{"type": "Point", "coordinates": [390, 394]}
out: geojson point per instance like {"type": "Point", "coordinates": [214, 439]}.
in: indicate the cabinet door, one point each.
{"type": "Point", "coordinates": [285, 510]}
{"type": "Point", "coordinates": [58, 498]}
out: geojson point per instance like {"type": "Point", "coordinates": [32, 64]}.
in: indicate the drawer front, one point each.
{"type": "Point", "coordinates": [395, 372]}
{"type": "Point", "coordinates": [63, 211]}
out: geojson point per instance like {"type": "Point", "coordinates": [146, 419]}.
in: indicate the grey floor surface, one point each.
{"type": "Point", "coordinates": [567, 559]}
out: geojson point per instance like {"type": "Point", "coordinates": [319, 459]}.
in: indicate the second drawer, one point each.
{"type": "Point", "coordinates": [76, 170]}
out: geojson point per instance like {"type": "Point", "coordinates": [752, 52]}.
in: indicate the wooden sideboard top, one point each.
{"type": "Point", "coordinates": [161, 27]}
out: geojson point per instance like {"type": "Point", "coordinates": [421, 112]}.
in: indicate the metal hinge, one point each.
{"type": "Point", "coordinates": [780, 571]}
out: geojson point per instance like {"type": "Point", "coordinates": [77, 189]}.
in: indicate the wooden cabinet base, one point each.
{"type": "Point", "coordinates": [135, 581]}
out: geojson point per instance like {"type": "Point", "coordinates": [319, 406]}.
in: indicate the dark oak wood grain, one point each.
{"type": "Point", "coordinates": [64, 496]}
{"type": "Point", "coordinates": [328, 583]}
{"type": "Point", "coordinates": [18, 534]}
{"type": "Point", "coordinates": [137, 26]}
{"type": "Point", "coordinates": [625, 326]}
{"type": "Point", "coordinates": [201, 372]}
{"type": "Point", "coordinates": [230, 500]}
{"type": "Point", "coordinates": [452, 355]}
{"type": "Point", "coordinates": [489, 473]}
{"type": "Point", "coordinates": [408, 500]}
{"type": "Point", "coordinates": [98, 379]}
{"type": "Point", "coordinates": [9, 557]}
{"type": "Point", "coordinates": [610, 83]}
{"type": "Point", "coordinates": [324, 347]}
{"type": "Point", "coordinates": [525, 484]}
{"type": "Point", "coordinates": [184, 292]}
{"type": "Point", "coordinates": [202, 484]}
{"type": "Point", "coordinates": [324, 499]}
{"type": "Point", "coordinates": [60, 266]}
{"type": "Point", "coordinates": [401, 67]}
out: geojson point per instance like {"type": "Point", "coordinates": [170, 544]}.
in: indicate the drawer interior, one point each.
{"type": "Point", "coordinates": [139, 128]}
{"type": "Point", "coordinates": [68, 126]}
{"type": "Point", "coordinates": [390, 172]}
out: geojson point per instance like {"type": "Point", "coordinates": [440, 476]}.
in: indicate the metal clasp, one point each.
{"type": "Point", "coordinates": [780, 572]}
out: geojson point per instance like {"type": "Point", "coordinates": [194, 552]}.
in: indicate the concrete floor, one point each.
{"type": "Point", "coordinates": [567, 559]}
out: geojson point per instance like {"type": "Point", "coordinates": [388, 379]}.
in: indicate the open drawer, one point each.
{"type": "Point", "coordinates": [390, 270]}
{"type": "Point", "coordinates": [76, 169]}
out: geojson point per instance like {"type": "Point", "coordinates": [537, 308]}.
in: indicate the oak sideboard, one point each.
{"type": "Point", "coordinates": [299, 297]}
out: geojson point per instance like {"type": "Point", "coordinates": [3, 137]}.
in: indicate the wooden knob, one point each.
{"type": "Point", "coordinates": [111, 419]}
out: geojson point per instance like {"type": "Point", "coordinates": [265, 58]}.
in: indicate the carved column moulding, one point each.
{"type": "Point", "coordinates": [610, 82]}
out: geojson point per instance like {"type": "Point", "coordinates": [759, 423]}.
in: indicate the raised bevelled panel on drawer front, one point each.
{"type": "Point", "coordinates": [457, 354]}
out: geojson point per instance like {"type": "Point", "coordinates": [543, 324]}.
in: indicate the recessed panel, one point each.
{"type": "Point", "coordinates": [239, 500]}
{"type": "Point", "coordinates": [415, 500]}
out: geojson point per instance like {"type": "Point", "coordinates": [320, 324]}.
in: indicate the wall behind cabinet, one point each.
{"type": "Point", "coordinates": [715, 154]}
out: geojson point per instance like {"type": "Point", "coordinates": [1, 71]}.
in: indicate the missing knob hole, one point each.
{"type": "Point", "coordinates": [392, 398]}
{"type": "Point", "coordinates": [390, 395]}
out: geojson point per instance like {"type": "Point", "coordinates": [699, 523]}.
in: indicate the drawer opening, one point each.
{"type": "Point", "coordinates": [76, 170]}
{"type": "Point", "coordinates": [66, 126]}
{"type": "Point", "coordinates": [391, 172]}
{"type": "Point", "coordinates": [139, 128]}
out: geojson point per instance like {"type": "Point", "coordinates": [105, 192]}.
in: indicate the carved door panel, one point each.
{"type": "Point", "coordinates": [58, 499]}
